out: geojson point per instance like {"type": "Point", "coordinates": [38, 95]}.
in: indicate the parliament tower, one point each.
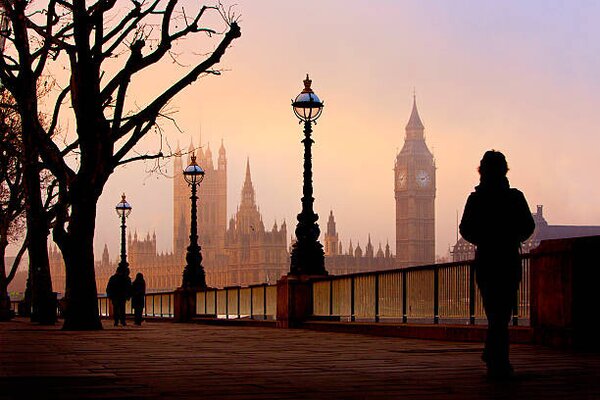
{"type": "Point", "coordinates": [212, 204]}
{"type": "Point", "coordinates": [414, 188]}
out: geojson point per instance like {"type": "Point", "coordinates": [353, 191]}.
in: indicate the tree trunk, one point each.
{"type": "Point", "coordinates": [5, 313]}
{"type": "Point", "coordinates": [43, 301]}
{"type": "Point", "coordinates": [77, 246]}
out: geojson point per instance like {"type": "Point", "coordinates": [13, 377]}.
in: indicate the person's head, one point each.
{"type": "Point", "coordinates": [139, 276]}
{"type": "Point", "coordinates": [493, 165]}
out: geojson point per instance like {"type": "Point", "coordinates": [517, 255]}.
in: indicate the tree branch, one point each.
{"type": "Point", "coordinates": [153, 109]}
{"type": "Point", "coordinates": [142, 157]}
{"type": "Point", "coordinates": [58, 105]}
{"type": "Point", "coordinates": [17, 260]}
{"type": "Point", "coordinates": [163, 47]}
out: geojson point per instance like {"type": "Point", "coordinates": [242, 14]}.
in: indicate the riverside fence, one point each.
{"type": "Point", "coordinates": [432, 294]}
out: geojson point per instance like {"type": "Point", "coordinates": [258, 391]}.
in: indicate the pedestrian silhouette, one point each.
{"type": "Point", "coordinates": [118, 291]}
{"type": "Point", "coordinates": [497, 220]}
{"type": "Point", "coordinates": [138, 297]}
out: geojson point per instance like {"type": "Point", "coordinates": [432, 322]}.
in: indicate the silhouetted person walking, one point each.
{"type": "Point", "coordinates": [118, 291]}
{"type": "Point", "coordinates": [138, 297]}
{"type": "Point", "coordinates": [497, 220]}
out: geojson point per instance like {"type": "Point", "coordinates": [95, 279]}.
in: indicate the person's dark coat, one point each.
{"type": "Point", "coordinates": [138, 292]}
{"type": "Point", "coordinates": [497, 220]}
{"type": "Point", "coordinates": [119, 287]}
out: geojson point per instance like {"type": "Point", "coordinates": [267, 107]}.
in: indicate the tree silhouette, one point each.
{"type": "Point", "coordinates": [12, 203]}
{"type": "Point", "coordinates": [105, 45]}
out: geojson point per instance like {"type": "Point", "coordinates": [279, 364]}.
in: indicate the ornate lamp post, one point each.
{"type": "Point", "coordinates": [123, 209]}
{"type": "Point", "coordinates": [193, 274]}
{"type": "Point", "coordinates": [307, 253]}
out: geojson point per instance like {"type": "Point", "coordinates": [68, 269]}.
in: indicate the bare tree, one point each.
{"type": "Point", "coordinates": [92, 38]}
{"type": "Point", "coordinates": [12, 204]}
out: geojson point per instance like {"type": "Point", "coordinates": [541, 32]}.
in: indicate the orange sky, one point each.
{"type": "Point", "coordinates": [518, 78]}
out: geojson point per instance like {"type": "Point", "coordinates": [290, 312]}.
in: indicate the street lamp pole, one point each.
{"type": "Point", "coordinates": [307, 256]}
{"type": "Point", "coordinates": [193, 273]}
{"type": "Point", "coordinates": [123, 209]}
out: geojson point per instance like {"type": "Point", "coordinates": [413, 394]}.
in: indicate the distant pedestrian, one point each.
{"type": "Point", "coordinates": [497, 220]}
{"type": "Point", "coordinates": [118, 291]}
{"type": "Point", "coordinates": [138, 297]}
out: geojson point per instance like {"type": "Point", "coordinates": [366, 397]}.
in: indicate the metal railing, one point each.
{"type": "Point", "coordinates": [160, 304]}
{"type": "Point", "coordinates": [14, 306]}
{"type": "Point", "coordinates": [440, 293]}
{"type": "Point", "coordinates": [254, 302]}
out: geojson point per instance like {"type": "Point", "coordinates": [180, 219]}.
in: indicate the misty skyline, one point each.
{"type": "Point", "coordinates": [519, 78]}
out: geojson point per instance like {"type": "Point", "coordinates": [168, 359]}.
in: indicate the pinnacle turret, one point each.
{"type": "Point", "coordinates": [190, 151]}
{"type": "Point", "coordinates": [208, 164]}
{"type": "Point", "coordinates": [331, 230]}
{"type": "Point", "coordinates": [414, 122]}
{"type": "Point", "coordinates": [222, 161]}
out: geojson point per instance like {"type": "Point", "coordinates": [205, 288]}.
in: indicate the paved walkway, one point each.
{"type": "Point", "coordinates": [167, 360]}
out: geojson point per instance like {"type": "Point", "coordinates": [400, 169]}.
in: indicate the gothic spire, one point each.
{"type": "Point", "coordinates": [331, 224]}
{"type": "Point", "coordinates": [414, 122]}
{"type": "Point", "coordinates": [208, 157]}
{"type": "Point", "coordinates": [222, 161]}
{"type": "Point", "coordinates": [248, 195]}
{"type": "Point", "coordinates": [248, 180]}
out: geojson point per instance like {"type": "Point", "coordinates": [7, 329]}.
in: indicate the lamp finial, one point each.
{"type": "Point", "coordinates": [307, 83]}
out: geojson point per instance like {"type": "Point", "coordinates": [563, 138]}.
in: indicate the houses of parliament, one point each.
{"type": "Point", "coordinates": [243, 251]}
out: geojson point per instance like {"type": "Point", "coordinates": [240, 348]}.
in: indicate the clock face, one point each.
{"type": "Point", "coordinates": [401, 179]}
{"type": "Point", "coordinates": [423, 179]}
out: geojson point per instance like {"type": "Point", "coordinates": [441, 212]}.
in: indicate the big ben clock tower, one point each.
{"type": "Point", "coordinates": [414, 189]}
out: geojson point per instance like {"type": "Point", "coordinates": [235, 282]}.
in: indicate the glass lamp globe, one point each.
{"type": "Point", "coordinates": [123, 208]}
{"type": "Point", "coordinates": [307, 105]}
{"type": "Point", "coordinates": [193, 174]}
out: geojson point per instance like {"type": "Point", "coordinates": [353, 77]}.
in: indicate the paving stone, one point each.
{"type": "Point", "coordinates": [167, 360]}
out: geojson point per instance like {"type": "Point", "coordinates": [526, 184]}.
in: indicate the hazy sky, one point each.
{"type": "Point", "coordinates": [520, 77]}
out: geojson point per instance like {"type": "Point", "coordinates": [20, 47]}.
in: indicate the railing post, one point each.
{"type": "Point", "coordinates": [251, 302]}
{"type": "Point", "coordinates": [226, 303]}
{"type": "Point", "coordinates": [436, 295]}
{"type": "Point", "coordinates": [161, 306]}
{"type": "Point", "coordinates": [404, 297]}
{"type": "Point", "coordinates": [471, 294]}
{"type": "Point", "coordinates": [216, 306]}
{"type": "Point", "coordinates": [265, 301]}
{"type": "Point", "coordinates": [376, 297]}
{"type": "Point", "coordinates": [331, 297]}
{"type": "Point", "coordinates": [205, 301]}
{"type": "Point", "coordinates": [239, 289]}
{"type": "Point", "coordinates": [352, 317]}
{"type": "Point", "coordinates": [170, 305]}
{"type": "Point", "coordinates": [153, 312]}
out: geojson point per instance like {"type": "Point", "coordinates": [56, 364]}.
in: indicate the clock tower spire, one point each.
{"type": "Point", "coordinates": [414, 189]}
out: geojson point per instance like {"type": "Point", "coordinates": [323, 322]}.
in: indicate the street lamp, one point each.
{"type": "Point", "coordinates": [193, 273]}
{"type": "Point", "coordinates": [307, 253]}
{"type": "Point", "coordinates": [123, 209]}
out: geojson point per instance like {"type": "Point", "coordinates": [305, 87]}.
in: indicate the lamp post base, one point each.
{"type": "Point", "coordinates": [184, 304]}
{"type": "Point", "coordinates": [307, 258]}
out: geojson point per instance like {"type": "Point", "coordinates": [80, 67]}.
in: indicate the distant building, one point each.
{"type": "Point", "coordinates": [338, 262]}
{"type": "Point", "coordinates": [243, 254]}
{"type": "Point", "coordinates": [254, 254]}
{"type": "Point", "coordinates": [212, 207]}
{"type": "Point", "coordinates": [464, 250]}
{"type": "Point", "coordinates": [414, 188]}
